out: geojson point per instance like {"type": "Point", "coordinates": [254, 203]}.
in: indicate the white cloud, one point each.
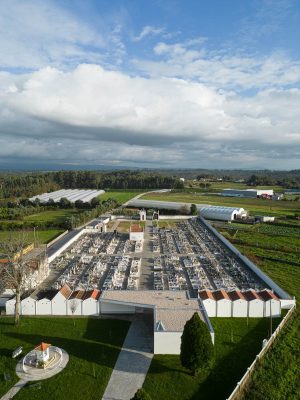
{"type": "Point", "coordinates": [89, 114]}
{"type": "Point", "coordinates": [147, 31]}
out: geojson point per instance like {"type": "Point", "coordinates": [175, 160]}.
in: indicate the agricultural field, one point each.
{"type": "Point", "coordinates": [237, 343]}
{"type": "Point", "coordinates": [93, 346]}
{"type": "Point", "coordinates": [276, 377]}
{"type": "Point", "coordinates": [255, 206]}
{"type": "Point", "coordinates": [218, 186]}
{"type": "Point", "coordinates": [51, 216]}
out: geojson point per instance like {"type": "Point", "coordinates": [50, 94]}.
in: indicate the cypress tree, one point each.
{"type": "Point", "coordinates": [196, 351]}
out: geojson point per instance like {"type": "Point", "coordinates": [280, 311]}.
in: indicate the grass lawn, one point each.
{"type": "Point", "coordinates": [120, 196]}
{"type": "Point", "coordinates": [43, 237]}
{"type": "Point", "coordinates": [124, 226]}
{"type": "Point", "coordinates": [218, 186]}
{"type": "Point", "coordinates": [167, 380]}
{"type": "Point", "coordinates": [277, 377]}
{"type": "Point", "coordinates": [93, 346]}
{"type": "Point", "coordinates": [256, 206]}
{"type": "Point", "coordinates": [55, 216]}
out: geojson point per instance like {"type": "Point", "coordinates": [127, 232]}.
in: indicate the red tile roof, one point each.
{"type": "Point", "coordinates": [251, 295]}
{"type": "Point", "coordinates": [206, 294]}
{"type": "Point", "coordinates": [267, 295]}
{"type": "Point", "coordinates": [42, 346]}
{"type": "Point", "coordinates": [220, 295]}
{"type": "Point", "coordinates": [235, 295]}
{"type": "Point", "coordinates": [65, 291]}
{"type": "Point", "coordinates": [94, 294]}
{"type": "Point", "coordinates": [77, 294]}
{"type": "Point", "coordinates": [136, 228]}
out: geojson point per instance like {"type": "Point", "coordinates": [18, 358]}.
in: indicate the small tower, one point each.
{"type": "Point", "coordinates": [42, 352]}
{"type": "Point", "coordinates": [143, 215]}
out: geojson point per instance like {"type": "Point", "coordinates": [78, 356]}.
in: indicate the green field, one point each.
{"type": "Point", "coordinates": [121, 196]}
{"type": "Point", "coordinates": [217, 186]}
{"type": "Point", "coordinates": [276, 377]}
{"type": "Point", "coordinates": [93, 346]}
{"type": "Point", "coordinates": [235, 348]}
{"type": "Point", "coordinates": [53, 216]}
{"type": "Point", "coordinates": [42, 237]}
{"type": "Point", "coordinates": [256, 206]}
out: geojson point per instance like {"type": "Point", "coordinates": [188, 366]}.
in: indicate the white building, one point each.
{"type": "Point", "coordinates": [28, 306]}
{"type": "Point", "coordinates": [239, 304]}
{"type": "Point", "coordinates": [272, 303]}
{"type": "Point", "coordinates": [223, 303]}
{"type": "Point", "coordinates": [98, 225]}
{"type": "Point", "coordinates": [90, 302]}
{"type": "Point", "coordinates": [222, 213]}
{"type": "Point", "coordinates": [85, 195]}
{"type": "Point", "coordinates": [252, 193]}
{"type": "Point", "coordinates": [59, 301]}
{"type": "Point", "coordinates": [136, 233]}
{"type": "Point", "coordinates": [74, 303]}
{"type": "Point", "coordinates": [170, 310]}
{"type": "Point", "coordinates": [209, 302]}
{"type": "Point", "coordinates": [44, 303]}
{"type": "Point", "coordinates": [143, 215]}
{"type": "Point", "coordinates": [255, 304]}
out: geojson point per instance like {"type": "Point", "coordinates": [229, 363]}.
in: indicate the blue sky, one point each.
{"type": "Point", "coordinates": [203, 84]}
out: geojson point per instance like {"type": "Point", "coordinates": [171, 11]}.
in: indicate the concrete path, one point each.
{"type": "Point", "coordinates": [133, 362]}
{"type": "Point", "coordinates": [14, 390]}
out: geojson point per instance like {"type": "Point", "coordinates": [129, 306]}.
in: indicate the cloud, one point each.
{"type": "Point", "coordinates": [147, 31]}
{"type": "Point", "coordinates": [93, 115]}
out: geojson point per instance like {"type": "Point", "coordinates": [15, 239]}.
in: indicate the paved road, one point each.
{"type": "Point", "coordinates": [133, 362]}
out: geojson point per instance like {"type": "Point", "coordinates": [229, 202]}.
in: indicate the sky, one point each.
{"type": "Point", "coordinates": [150, 83]}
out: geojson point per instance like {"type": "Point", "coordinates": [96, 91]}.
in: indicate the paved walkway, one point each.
{"type": "Point", "coordinates": [14, 390]}
{"type": "Point", "coordinates": [133, 362]}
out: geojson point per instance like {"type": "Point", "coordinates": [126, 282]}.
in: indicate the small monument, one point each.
{"type": "Point", "coordinates": [42, 353]}
{"type": "Point", "coordinates": [143, 215]}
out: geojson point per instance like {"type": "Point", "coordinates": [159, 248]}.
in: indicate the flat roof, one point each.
{"type": "Point", "coordinates": [173, 308]}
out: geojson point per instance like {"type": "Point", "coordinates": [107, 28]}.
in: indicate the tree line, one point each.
{"type": "Point", "coordinates": [30, 184]}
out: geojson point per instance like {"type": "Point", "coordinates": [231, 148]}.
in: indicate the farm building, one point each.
{"type": "Point", "coordinates": [70, 194]}
{"type": "Point", "coordinates": [250, 193]}
{"type": "Point", "coordinates": [222, 213]}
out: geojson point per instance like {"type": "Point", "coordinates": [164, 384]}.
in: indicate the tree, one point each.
{"type": "Point", "coordinates": [194, 210]}
{"type": "Point", "coordinates": [95, 202]}
{"type": "Point", "coordinates": [15, 270]}
{"type": "Point", "coordinates": [141, 395]}
{"type": "Point", "coordinates": [196, 351]}
{"type": "Point", "coordinates": [184, 210]}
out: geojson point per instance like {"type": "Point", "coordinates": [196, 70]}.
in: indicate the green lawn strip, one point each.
{"type": "Point", "coordinates": [55, 216]}
{"type": "Point", "coordinates": [93, 346]}
{"type": "Point", "coordinates": [43, 236]}
{"type": "Point", "coordinates": [257, 206]}
{"type": "Point", "coordinates": [270, 254]}
{"type": "Point", "coordinates": [120, 196]}
{"type": "Point", "coordinates": [167, 380]}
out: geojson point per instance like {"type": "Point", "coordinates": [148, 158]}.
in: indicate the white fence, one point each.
{"type": "Point", "coordinates": [242, 383]}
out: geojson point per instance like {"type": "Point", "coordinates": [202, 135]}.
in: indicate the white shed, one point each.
{"type": "Point", "coordinates": [136, 233]}
{"type": "Point", "coordinates": [10, 306]}
{"type": "Point", "coordinates": [209, 302]}
{"type": "Point", "coordinates": [223, 303]}
{"type": "Point", "coordinates": [255, 304]}
{"type": "Point", "coordinates": [272, 303]}
{"type": "Point", "coordinates": [90, 302]}
{"type": "Point", "coordinates": [59, 301]}
{"type": "Point", "coordinates": [239, 304]}
{"type": "Point", "coordinates": [44, 303]}
{"type": "Point", "coordinates": [74, 302]}
{"type": "Point", "coordinates": [28, 306]}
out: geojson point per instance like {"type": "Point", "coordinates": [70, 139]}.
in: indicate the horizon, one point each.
{"type": "Point", "coordinates": [149, 85]}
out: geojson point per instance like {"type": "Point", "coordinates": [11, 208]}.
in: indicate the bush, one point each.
{"type": "Point", "coordinates": [197, 350]}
